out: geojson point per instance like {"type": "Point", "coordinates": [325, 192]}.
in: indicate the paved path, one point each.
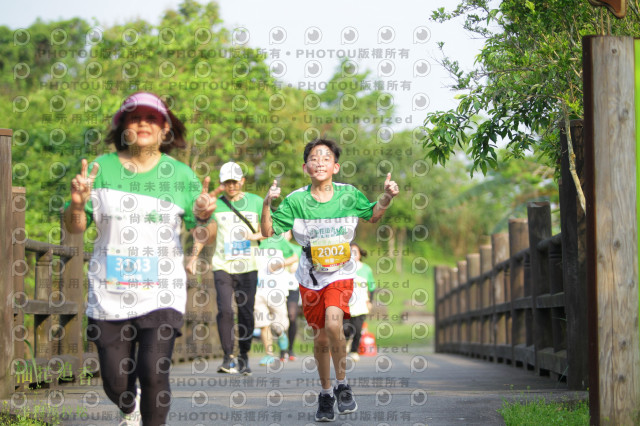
{"type": "Point", "coordinates": [414, 388]}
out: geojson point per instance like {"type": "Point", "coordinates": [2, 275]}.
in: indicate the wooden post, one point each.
{"type": "Point", "coordinates": [518, 241]}
{"type": "Point", "coordinates": [539, 215]}
{"type": "Point", "coordinates": [43, 321]}
{"type": "Point", "coordinates": [574, 250]}
{"type": "Point", "coordinates": [438, 280]}
{"type": "Point", "coordinates": [462, 280]}
{"type": "Point", "coordinates": [520, 297]}
{"type": "Point", "coordinates": [464, 294]}
{"type": "Point", "coordinates": [19, 269]}
{"type": "Point", "coordinates": [486, 300]}
{"type": "Point", "coordinates": [500, 253]}
{"type": "Point", "coordinates": [485, 266]}
{"type": "Point", "coordinates": [612, 261]}
{"type": "Point", "coordinates": [473, 271]}
{"type": "Point", "coordinates": [452, 283]}
{"type": "Point", "coordinates": [72, 287]}
{"type": "Point", "coordinates": [464, 305]}
{"type": "Point", "coordinates": [446, 294]}
{"type": "Point", "coordinates": [6, 260]}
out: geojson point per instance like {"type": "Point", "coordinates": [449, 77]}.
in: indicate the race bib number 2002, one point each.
{"type": "Point", "coordinates": [329, 254]}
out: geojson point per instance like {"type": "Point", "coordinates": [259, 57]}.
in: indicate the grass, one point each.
{"type": "Point", "coordinates": [401, 293]}
{"type": "Point", "coordinates": [542, 412]}
{"type": "Point", "coordinates": [9, 418]}
{"type": "Point", "coordinates": [16, 420]}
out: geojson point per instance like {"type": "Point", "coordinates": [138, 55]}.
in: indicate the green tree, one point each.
{"type": "Point", "coordinates": [526, 82]}
{"type": "Point", "coordinates": [218, 89]}
{"type": "Point", "coordinates": [232, 107]}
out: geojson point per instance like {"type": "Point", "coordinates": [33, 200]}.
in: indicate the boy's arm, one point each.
{"type": "Point", "coordinates": [390, 190]}
{"type": "Point", "coordinates": [266, 223]}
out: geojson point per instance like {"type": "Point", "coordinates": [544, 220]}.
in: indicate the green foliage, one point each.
{"type": "Point", "coordinates": [526, 81]}
{"type": "Point", "coordinates": [214, 87]}
{"type": "Point", "coordinates": [25, 417]}
{"type": "Point", "coordinates": [540, 411]}
{"type": "Point", "coordinates": [233, 109]}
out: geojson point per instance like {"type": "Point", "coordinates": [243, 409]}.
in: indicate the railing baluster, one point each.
{"type": "Point", "coordinates": [6, 260]}
{"type": "Point", "coordinates": [19, 269]}
{"type": "Point", "coordinates": [73, 289]}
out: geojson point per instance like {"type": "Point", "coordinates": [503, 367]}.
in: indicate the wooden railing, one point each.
{"type": "Point", "coordinates": [522, 300]}
{"type": "Point", "coordinates": [508, 303]}
{"type": "Point", "coordinates": [44, 331]}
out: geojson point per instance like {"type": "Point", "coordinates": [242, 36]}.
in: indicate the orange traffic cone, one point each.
{"type": "Point", "coordinates": [367, 345]}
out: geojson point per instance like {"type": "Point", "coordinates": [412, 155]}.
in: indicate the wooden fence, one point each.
{"type": "Point", "coordinates": [518, 300]}
{"type": "Point", "coordinates": [44, 331]}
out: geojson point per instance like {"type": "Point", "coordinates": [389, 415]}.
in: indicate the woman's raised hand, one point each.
{"type": "Point", "coordinates": [81, 184]}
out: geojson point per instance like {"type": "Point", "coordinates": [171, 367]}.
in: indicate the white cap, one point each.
{"type": "Point", "coordinates": [230, 171]}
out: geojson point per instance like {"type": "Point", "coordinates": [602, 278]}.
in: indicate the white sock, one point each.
{"type": "Point", "coordinates": [327, 391]}
{"type": "Point", "coordinates": [341, 382]}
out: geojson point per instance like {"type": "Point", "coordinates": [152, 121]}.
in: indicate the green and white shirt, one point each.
{"type": "Point", "coordinates": [363, 283]}
{"type": "Point", "coordinates": [297, 250]}
{"type": "Point", "coordinates": [325, 230]}
{"type": "Point", "coordinates": [234, 251]}
{"type": "Point", "coordinates": [137, 263]}
{"type": "Point", "coordinates": [272, 274]}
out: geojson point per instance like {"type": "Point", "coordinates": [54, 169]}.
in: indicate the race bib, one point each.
{"type": "Point", "coordinates": [129, 272]}
{"type": "Point", "coordinates": [329, 254]}
{"type": "Point", "coordinates": [237, 250]}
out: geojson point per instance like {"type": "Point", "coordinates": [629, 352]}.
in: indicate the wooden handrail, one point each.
{"type": "Point", "coordinates": [41, 247]}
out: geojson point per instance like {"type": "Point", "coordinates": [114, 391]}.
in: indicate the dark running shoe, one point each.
{"type": "Point", "coordinates": [344, 396]}
{"type": "Point", "coordinates": [325, 408]}
{"type": "Point", "coordinates": [243, 365]}
{"type": "Point", "coordinates": [227, 366]}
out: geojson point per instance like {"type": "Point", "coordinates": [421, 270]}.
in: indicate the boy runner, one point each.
{"type": "Point", "coordinates": [323, 217]}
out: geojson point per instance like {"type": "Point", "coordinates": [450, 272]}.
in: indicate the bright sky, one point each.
{"type": "Point", "coordinates": [303, 41]}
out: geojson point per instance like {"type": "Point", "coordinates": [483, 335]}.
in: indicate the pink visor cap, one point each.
{"type": "Point", "coordinates": [141, 99]}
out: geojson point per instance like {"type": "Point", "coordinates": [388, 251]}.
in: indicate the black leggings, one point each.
{"type": "Point", "coordinates": [243, 287]}
{"type": "Point", "coordinates": [353, 328]}
{"type": "Point", "coordinates": [292, 311]}
{"type": "Point", "coordinates": [119, 368]}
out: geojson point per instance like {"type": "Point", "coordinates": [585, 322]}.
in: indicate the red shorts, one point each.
{"type": "Point", "coordinates": [315, 302]}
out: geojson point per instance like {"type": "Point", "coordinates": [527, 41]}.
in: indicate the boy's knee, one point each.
{"type": "Point", "coordinates": [334, 328]}
{"type": "Point", "coordinates": [321, 341]}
